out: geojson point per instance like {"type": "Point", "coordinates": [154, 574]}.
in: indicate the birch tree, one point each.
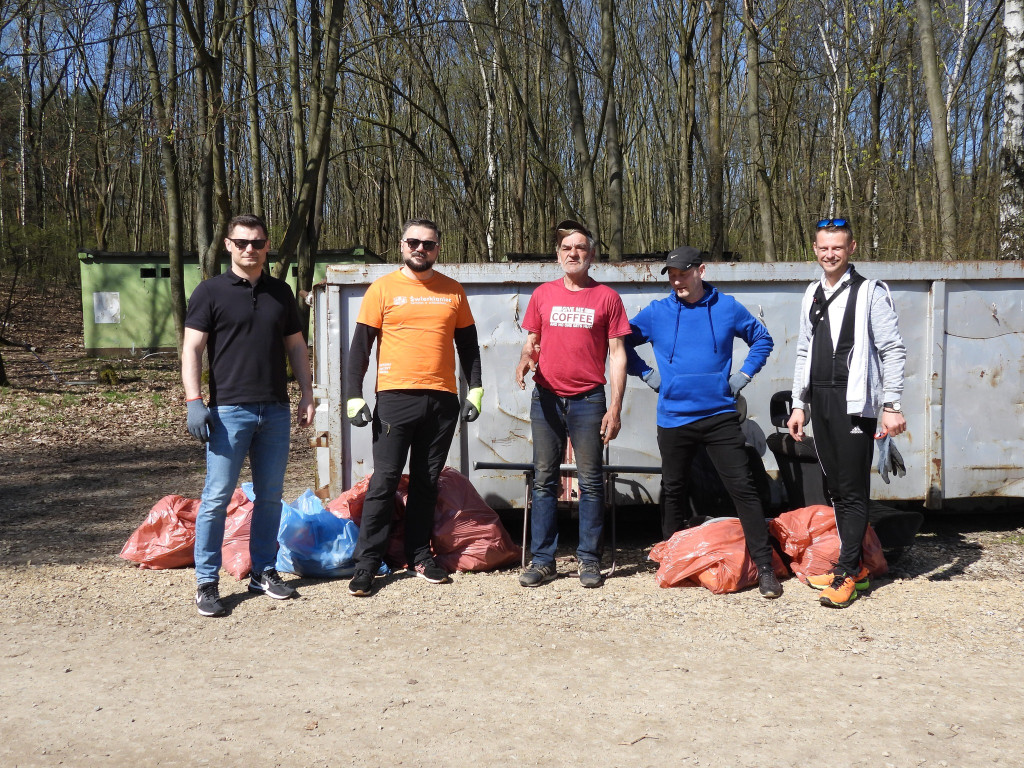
{"type": "Point", "coordinates": [1011, 199]}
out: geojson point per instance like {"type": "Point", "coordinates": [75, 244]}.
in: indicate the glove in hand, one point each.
{"type": "Point", "coordinates": [358, 412]}
{"type": "Point", "coordinates": [652, 379]}
{"type": "Point", "coordinates": [198, 420]}
{"type": "Point", "coordinates": [473, 404]}
{"type": "Point", "coordinates": [890, 461]}
{"type": "Point", "coordinates": [737, 382]}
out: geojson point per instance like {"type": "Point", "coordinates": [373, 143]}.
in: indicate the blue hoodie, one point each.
{"type": "Point", "coordinates": [692, 346]}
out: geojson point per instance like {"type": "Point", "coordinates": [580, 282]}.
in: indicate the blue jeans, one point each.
{"type": "Point", "coordinates": [552, 419]}
{"type": "Point", "coordinates": [263, 432]}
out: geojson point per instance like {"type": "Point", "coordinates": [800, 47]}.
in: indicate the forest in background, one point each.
{"type": "Point", "coordinates": [143, 125]}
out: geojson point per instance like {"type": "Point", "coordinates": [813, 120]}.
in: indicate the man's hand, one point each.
{"type": "Point", "coordinates": [358, 413]}
{"type": "Point", "coordinates": [473, 404]}
{"type": "Point", "coordinates": [796, 424]}
{"type": "Point", "coordinates": [737, 382]}
{"type": "Point", "coordinates": [652, 379]}
{"type": "Point", "coordinates": [893, 424]}
{"type": "Point", "coordinates": [199, 420]}
{"type": "Point", "coordinates": [527, 360]}
{"type": "Point", "coordinates": [610, 426]}
{"type": "Point", "coordinates": [304, 414]}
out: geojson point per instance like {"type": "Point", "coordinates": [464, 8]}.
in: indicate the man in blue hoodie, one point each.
{"type": "Point", "coordinates": [691, 332]}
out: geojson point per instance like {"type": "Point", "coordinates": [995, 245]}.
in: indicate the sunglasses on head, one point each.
{"type": "Point", "coordinates": [241, 244]}
{"type": "Point", "coordinates": [413, 243]}
{"type": "Point", "coordinates": [831, 223]}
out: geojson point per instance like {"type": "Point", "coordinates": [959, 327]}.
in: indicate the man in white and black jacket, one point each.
{"type": "Point", "coordinates": [849, 367]}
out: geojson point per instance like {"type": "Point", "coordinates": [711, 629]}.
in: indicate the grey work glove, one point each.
{"type": "Point", "coordinates": [889, 459]}
{"type": "Point", "coordinates": [198, 420]}
{"type": "Point", "coordinates": [358, 412]}
{"type": "Point", "coordinates": [652, 379]}
{"type": "Point", "coordinates": [737, 382]}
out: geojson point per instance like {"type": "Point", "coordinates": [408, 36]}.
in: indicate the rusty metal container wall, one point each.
{"type": "Point", "coordinates": [963, 324]}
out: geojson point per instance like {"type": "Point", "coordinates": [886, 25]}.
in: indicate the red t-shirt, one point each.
{"type": "Point", "coordinates": [574, 328]}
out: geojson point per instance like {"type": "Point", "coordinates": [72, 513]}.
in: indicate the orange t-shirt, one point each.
{"type": "Point", "coordinates": [417, 321]}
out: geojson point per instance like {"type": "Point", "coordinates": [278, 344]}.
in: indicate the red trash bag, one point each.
{"type": "Point", "coordinates": [350, 506]}
{"type": "Point", "coordinates": [810, 539]}
{"type": "Point", "coordinates": [713, 555]}
{"type": "Point", "coordinates": [468, 534]}
{"type": "Point", "coordinates": [167, 537]}
{"type": "Point", "coordinates": [235, 558]}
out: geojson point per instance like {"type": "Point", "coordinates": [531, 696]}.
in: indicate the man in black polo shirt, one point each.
{"type": "Point", "coordinates": [247, 322]}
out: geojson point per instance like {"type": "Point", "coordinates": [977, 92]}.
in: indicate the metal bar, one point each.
{"type": "Point", "coordinates": [621, 469]}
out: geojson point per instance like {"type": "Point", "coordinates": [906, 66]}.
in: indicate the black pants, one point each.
{"type": "Point", "coordinates": [418, 425]}
{"type": "Point", "coordinates": [845, 446]}
{"type": "Point", "coordinates": [723, 438]}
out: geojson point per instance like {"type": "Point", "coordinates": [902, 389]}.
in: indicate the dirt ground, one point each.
{"type": "Point", "coordinates": [104, 664]}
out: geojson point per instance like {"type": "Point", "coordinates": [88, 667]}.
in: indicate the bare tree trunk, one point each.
{"type": "Point", "coordinates": [940, 136]}
{"type": "Point", "coordinates": [763, 183]}
{"type": "Point", "coordinates": [320, 122]}
{"type": "Point", "coordinates": [215, 206]}
{"type": "Point", "coordinates": [253, 105]}
{"type": "Point", "coordinates": [579, 126]}
{"type": "Point", "coordinates": [490, 148]}
{"type": "Point", "coordinates": [687, 98]}
{"type": "Point", "coordinates": [1011, 200]}
{"type": "Point", "coordinates": [715, 144]}
{"type": "Point", "coordinates": [613, 149]}
{"type": "Point", "coordinates": [169, 163]}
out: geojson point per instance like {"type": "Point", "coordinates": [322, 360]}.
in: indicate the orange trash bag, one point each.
{"type": "Point", "coordinates": [809, 538]}
{"type": "Point", "coordinates": [235, 558]}
{"type": "Point", "coordinates": [713, 555]}
{"type": "Point", "coordinates": [167, 537]}
{"type": "Point", "coordinates": [468, 534]}
{"type": "Point", "coordinates": [349, 506]}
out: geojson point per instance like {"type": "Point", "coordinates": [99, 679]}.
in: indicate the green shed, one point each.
{"type": "Point", "coordinates": [126, 297]}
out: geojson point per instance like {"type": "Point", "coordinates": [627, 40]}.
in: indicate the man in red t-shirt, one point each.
{"type": "Point", "coordinates": [574, 324]}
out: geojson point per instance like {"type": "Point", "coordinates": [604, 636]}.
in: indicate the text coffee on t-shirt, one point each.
{"type": "Point", "coordinates": [571, 317]}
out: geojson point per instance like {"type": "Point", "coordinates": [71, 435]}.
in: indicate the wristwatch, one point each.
{"type": "Point", "coordinates": [895, 407]}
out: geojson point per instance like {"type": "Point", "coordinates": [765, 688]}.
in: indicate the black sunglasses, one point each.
{"type": "Point", "coordinates": [831, 223]}
{"type": "Point", "coordinates": [413, 243]}
{"type": "Point", "coordinates": [241, 244]}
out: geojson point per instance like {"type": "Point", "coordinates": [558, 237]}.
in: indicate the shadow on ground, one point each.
{"type": "Point", "coordinates": [71, 506]}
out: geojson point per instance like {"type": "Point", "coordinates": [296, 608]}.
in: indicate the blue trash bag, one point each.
{"type": "Point", "coordinates": [313, 542]}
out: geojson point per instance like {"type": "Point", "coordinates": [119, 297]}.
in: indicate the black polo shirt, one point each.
{"type": "Point", "coordinates": [247, 325]}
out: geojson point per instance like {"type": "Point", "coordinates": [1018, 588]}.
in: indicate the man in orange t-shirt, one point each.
{"type": "Point", "coordinates": [419, 318]}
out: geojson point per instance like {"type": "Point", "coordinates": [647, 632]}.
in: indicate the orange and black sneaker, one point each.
{"type": "Point", "coordinates": [862, 579]}
{"type": "Point", "coordinates": [840, 593]}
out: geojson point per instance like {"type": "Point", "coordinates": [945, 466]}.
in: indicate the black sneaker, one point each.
{"type": "Point", "coordinates": [361, 584]}
{"type": "Point", "coordinates": [208, 600]}
{"type": "Point", "coordinates": [767, 582]}
{"type": "Point", "coordinates": [590, 574]}
{"type": "Point", "coordinates": [429, 570]}
{"type": "Point", "coordinates": [536, 575]}
{"type": "Point", "coordinates": [270, 584]}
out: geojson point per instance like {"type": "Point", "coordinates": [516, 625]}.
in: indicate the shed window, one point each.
{"type": "Point", "coordinates": [165, 271]}
{"type": "Point", "coordinates": [145, 272]}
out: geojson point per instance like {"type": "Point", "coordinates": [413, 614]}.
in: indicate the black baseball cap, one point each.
{"type": "Point", "coordinates": [684, 257]}
{"type": "Point", "coordinates": [575, 226]}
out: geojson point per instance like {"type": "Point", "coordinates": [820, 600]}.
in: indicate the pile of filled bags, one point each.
{"type": "Point", "coordinates": [714, 555]}
{"type": "Point", "coordinates": [318, 540]}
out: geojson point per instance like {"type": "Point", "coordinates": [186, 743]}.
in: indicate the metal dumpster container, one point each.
{"type": "Point", "coordinates": [963, 324]}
